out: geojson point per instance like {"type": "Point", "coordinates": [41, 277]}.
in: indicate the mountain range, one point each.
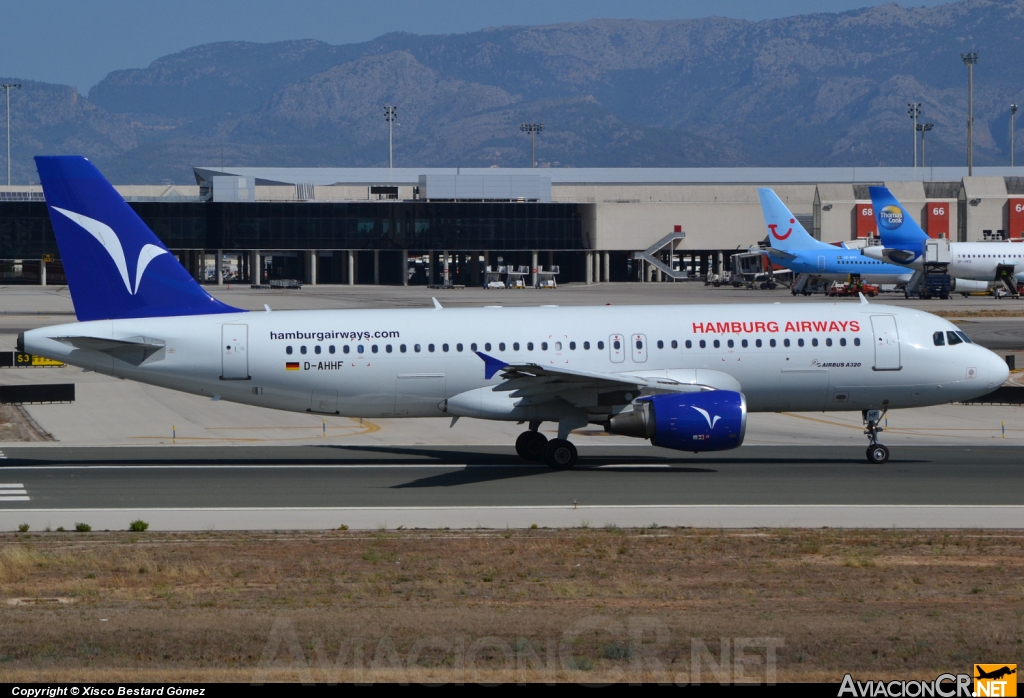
{"type": "Point", "coordinates": [808, 90]}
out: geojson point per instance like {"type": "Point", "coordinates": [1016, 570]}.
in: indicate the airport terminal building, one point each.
{"type": "Point", "coordinates": [432, 226]}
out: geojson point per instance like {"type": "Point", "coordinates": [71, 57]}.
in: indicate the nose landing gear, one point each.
{"type": "Point", "coordinates": [877, 453]}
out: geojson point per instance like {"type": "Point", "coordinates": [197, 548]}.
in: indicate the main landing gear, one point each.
{"type": "Point", "coordinates": [877, 453]}
{"type": "Point", "coordinates": [559, 454]}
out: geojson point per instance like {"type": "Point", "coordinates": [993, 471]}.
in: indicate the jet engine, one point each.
{"type": "Point", "coordinates": [714, 420]}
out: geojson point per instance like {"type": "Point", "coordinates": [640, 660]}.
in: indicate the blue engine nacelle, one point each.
{"type": "Point", "coordinates": [714, 420]}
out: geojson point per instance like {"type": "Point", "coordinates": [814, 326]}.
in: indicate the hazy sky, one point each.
{"type": "Point", "coordinates": [78, 42]}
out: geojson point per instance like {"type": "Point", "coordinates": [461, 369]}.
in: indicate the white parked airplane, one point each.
{"type": "Point", "coordinates": [903, 243]}
{"type": "Point", "coordinates": [682, 376]}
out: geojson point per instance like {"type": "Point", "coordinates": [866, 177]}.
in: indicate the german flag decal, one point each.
{"type": "Point", "coordinates": [292, 366]}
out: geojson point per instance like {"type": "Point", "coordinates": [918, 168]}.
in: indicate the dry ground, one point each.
{"type": "Point", "coordinates": [583, 604]}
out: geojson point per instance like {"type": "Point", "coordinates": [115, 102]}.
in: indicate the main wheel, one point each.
{"type": "Point", "coordinates": [560, 454]}
{"type": "Point", "coordinates": [530, 445]}
{"type": "Point", "coordinates": [878, 454]}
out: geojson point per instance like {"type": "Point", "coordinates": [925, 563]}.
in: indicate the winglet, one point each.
{"type": "Point", "coordinates": [863, 300]}
{"type": "Point", "coordinates": [491, 365]}
{"type": "Point", "coordinates": [437, 304]}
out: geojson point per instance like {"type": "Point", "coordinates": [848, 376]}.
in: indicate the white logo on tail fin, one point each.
{"type": "Point", "coordinates": [112, 244]}
{"type": "Point", "coordinates": [707, 416]}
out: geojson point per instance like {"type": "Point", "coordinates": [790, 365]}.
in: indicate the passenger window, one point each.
{"type": "Point", "coordinates": [856, 341]}
{"type": "Point", "coordinates": [444, 347]}
{"type": "Point", "coordinates": [388, 348]}
{"type": "Point", "coordinates": [842, 341]}
{"type": "Point", "coordinates": [401, 348]}
{"type": "Point", "coordinates": [939, 339]}
{"type": "Point", "coordinates": [731, 344]}
{"type": "Point", "coordinates": [744, 344]}
{"type": "Point", "coordinates": [572, 346]}
{"type": "Point", "coordinates": [558, 346]}
{"type": "Point", "coordinates": [359, 349]}
{"type": "Point", "coordinates": [330, 349]}
{"type": "Point", "coordinates": [639, 344]}
{"type": "Point", "coordinates": [302, 350]}
{"type": "Point", "coordinates": [529, 346]}
{"type": "Point", "coordinates": [800, 342]}
{"type": "Point", "coordinates": [703, 344]}
{"type": "Point", "coordinates": [345, 348]}
{"type": "Point", "coordinates": [416, 348]}
{"type": "Point", "coordinates": [675, 344]}
{"type": "Point", "coordinates": [661, 344]}
{"type": "Point", "coordinates": [458, 347]}
{"type": "Point", "coordinates": [287, 350]}
{"type": "Point", "coordinates": [600, 345]}
{"type": "Point", "coordinates": [515, 346]}
{"type": "Point", "coordinates": [316, 349]}
{"type": "Point", "coordinates": [757, 343]}
{"type": "Point", "coordinates": [430, 347]}
{"type": "Point", "coordinates": [785, 342]}
{"type": "Point", "coordinates": [953, 338]}
{"type": "Point", "coordinates": [472, 347]}
{"type": "Point", "coordinates": [771, 342]}
{"type": "Point", "coordinates": [374, 348]}
{"type": "Point", "coordinates": [617, 344]}
{"type": "Point", "coordinates": [814, 342]}
{"type": "Point", "coordinates": [501, 346]}
{"type": "Point", "coordinates": [717, 344]}
{"type": "Point", "coordinates": [828, 342]}
{"type": "Point", "coordinates": [543, 346]}
{"type": "Point", "coordinates": [586, 345]}
{"type": "Point", "coordinates": [487, 347]}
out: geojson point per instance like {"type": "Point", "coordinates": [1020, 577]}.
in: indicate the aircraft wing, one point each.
{"type": "Point", "coordinates": [134, 350]}
{"type": "Point", "coordinates": [537, 383]}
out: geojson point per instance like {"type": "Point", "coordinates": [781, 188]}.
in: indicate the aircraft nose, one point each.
{"type": "Point", "coordinates": [996, 370]}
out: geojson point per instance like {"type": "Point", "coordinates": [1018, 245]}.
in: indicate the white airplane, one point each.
{"type": "Point", "coordinates": [903, 243]}
{"type": "Point", "coordinates": [683, 377]}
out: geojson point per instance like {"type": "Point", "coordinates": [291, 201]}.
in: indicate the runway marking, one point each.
{"type": "Point", "coordinates": [13, 492]}
{"type": "Point", "coordinates": [2, 456]}
{"type": "Point", "coordinates": [364, 427]}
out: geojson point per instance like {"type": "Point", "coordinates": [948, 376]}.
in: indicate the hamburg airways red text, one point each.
{"type": "Point", "coordinates": [796, 326]}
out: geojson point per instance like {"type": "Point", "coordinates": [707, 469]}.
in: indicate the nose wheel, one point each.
{"type": "Point", "coordinates": [877, 453]}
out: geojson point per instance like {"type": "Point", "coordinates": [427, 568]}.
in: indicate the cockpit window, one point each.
{"type": "Point", "coordinates": [939, 339]}
{"type": "Point", "coordinates": [954, 338]}
{"type": "Point", "coordinates": [964, 337]}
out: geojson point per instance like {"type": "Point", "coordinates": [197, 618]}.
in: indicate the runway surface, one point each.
{"type": "Point", "coordinates": [366, 487]}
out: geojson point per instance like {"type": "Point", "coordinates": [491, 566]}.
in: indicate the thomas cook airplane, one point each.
{"type": "Point", "coordinates": [683, 377]}
{"type": "Point", "coordinates": [903, 242]}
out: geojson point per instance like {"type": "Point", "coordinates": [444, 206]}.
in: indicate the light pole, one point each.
{"type": "Point", "coordinates": [7, 88]}
{"type": "Point", "coordinates": [533, 130]}
{"type": "Point", "coordinates": [924, 128]}
{"type": "Point", "coordinates": [914, 111]}
{"type": "Point", "coordinates": [390, 114]}
{"type": "Point", "coordinates": [1013, 110]}
{"type": "Point", "coordinates": [969, 60]}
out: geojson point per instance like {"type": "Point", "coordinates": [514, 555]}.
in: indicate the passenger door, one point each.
{"type": "Point", "coordinates": [887, 343]}
{"type": "Point", "coordinates": [821, 262]}
{"type": "Point", "coordinates": [616, 350]}
{"type": "Point", "coordinates": [234, 352]}
{"type": "Point", "coordinates": [638, 343]}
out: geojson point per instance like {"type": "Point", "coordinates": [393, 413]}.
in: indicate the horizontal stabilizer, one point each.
{"type": "Point", "coordinates": [133, 351]}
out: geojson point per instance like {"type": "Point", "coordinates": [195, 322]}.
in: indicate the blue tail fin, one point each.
{"type": "Point", "coordinates": [896, 227]}
{"type": "Point", "coordinates": [784, 230]}
{"type": "Point", "coordinates": [116, 267]}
